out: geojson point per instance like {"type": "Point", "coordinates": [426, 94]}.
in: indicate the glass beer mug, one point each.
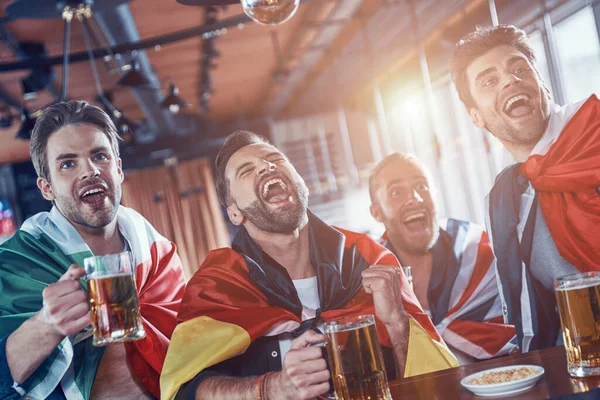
{"type": "Point", "coordinates": [578, 298]}
{"type": "Point", "coordinates": [113, 299]}
{"type": "Point", "coordinates": [355, 359]}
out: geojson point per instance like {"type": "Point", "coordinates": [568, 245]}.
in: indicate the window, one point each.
{"type": "Point", "coordinates": [537, 41]}
{"type": "Point", "coordinates": [578, 51]}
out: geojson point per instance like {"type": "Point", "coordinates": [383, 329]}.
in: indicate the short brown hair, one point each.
{"type": "Point", "coordinates": [233, 143]}
{"type": "Point", "coordinates": [480, 42]}
{"type": "Point", "coordinates": [401, 157]}
{"type": "Point", "coordinates": [60, 115]}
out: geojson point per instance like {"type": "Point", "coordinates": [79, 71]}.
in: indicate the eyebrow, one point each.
{"type": "Point", "coordinates": [515, 60]}
{"type": "Point", "coordinates": [95, 150]}
{"type": "Point", "coordinates": [485, 72]}
{"type": "Point", "coordinates": [410, 179]}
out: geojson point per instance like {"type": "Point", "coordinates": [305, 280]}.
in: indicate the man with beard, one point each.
{"type": "Point", "coordinates": [251, 312]}
{"type": "Point", "coordinates": [46, 346]}
{"type": "Point", "coordinates": [545, 209]}
{"type": "Point", "coordinates": [452, 261]}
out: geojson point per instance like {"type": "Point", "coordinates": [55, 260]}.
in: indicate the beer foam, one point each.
{"type": "Point", "coordinates": [579, 284]}
{"type": "Point", "coordinates": [97, 276]}
{"type": "Point", "coordinates": [348, 326]}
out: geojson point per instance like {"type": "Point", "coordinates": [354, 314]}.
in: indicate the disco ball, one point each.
{"type": "Point", "coordinates": [270, 12]}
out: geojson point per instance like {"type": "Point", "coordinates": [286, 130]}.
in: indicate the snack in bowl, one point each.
{"type": "Point", "coordinates": [503, 381]}
{"type": "Point", "coordinates": [507, 375]}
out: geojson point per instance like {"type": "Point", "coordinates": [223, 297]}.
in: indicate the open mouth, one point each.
{"type": "Point", "coordinates": [275, 190]}
{"type": "Point", "coordinates": [416, 221]}
{"type": "Point", "coordinates": [518, 106]}
{"type": "Point", "coordinates": [95, 195]}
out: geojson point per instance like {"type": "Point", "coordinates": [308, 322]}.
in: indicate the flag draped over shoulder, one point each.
{"type": "Point", "coordinates": [567, 182]}
{"type": "Point", "coordinates": [239, 295]}
{"type": "Point", "coordinates": [41, 251]}
{"type": "Point", "coordinates": [463, 294]}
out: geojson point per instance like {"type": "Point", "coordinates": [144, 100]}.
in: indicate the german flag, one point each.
{"type": "Point", "coordinates": [241, 294]}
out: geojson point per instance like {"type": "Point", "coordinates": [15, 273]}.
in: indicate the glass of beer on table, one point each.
{"type": "Point", "coordinates": [578, 298]}
{"type": "Point", "coordinates": [355, 360]}
{"type": "Point", "coordinates": [113, 299]}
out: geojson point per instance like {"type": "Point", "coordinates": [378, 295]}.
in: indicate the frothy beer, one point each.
{"type": "Point", "coordinates": [115, 309]}
{"type": "Point", "coordinates": [579, 308]}
{"type": "Point", "coordinates": [355, 361]}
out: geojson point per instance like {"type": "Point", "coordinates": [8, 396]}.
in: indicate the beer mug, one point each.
{"type": "Point", "coordinates": [113, 299]}
{"type": "Point", "coordinates": [355, 360]}
{"type": "Point", "coordinates": [578, 298]}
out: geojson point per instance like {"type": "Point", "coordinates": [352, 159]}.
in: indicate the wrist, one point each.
{"type": "Point", "coordinates": [398, 324]}
{"type": "Point", "coordinates": [273, 387]}
{"type": "Point", "coordinates": [46, 327]}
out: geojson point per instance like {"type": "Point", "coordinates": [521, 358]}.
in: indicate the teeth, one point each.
{"type": "Point", "coordinates": [268, 184]}
{"type": "Point", "coordinates": [511, 101]}
{"type": "Point", "coordinates": [414, 216]}
{"type": "Point", "coordinates": [92, 191]}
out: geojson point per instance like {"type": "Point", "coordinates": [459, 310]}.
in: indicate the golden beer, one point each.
{"type": "Point", "coordinates": [115, 309]}
{"type": "Point", "coordinates": [113, 299]}
{"type": "Point", "coordinates": [578, 298]}
{"type": "Point", "coordinates": [355, 359]}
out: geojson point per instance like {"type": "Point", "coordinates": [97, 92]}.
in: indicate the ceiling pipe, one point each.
{"type": "Point", "coordinates": [119, 26]}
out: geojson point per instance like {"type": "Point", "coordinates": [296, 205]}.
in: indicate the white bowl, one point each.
{"type": "Point", "coordinates": [505, 388]}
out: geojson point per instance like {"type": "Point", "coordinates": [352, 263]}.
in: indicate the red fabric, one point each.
{"type": "Point", "coordinates": [223, 290]}
{"type": "Point", "coordinates": [160, 284]}
{"type": "Point", "coordinates": [489, 335]}
{"type": "Point", "coordinates": [567, 179]}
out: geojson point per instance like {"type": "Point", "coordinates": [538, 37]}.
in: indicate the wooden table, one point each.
{"type": "Point", "coordinates": [445, 385]}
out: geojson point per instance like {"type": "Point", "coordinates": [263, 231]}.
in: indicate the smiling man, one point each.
{"type": "Point", "coordinates": [544, 210]}
{"type": "Point", "coordinates": [250, 312]}
{"type": "Point", "coordinates": [46, 346]}
{"type": "Point", "coordinates": [452, 261]}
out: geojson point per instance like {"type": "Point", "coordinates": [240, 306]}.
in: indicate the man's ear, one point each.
{"type": "Point", "coordinates": [46, 189]}
{"type": "Point", "coordinates": [120, 170]}
{"type": "Point", "coordinates": [376, 213]}
{"type": "Point", "coordinates": [235, 215]}
{"type": "Point", "coordinates": [476, 118]}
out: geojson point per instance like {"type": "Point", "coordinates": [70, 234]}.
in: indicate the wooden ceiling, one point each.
{"type": "Point", "coordinates": [243, 75]}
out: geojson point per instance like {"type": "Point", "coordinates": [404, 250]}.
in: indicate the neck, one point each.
{"type": "Point", "coordinates": [420, 262]}
{"type": "Point", "coordinates": [101, 241]}
{"type": "Point", "coordinates": [290, 250]}
{"type": "Point", "coordinates": [519, 152]}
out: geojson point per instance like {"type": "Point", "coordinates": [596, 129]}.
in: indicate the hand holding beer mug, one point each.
{"type": "Point", "coordinates": [113, 299]}
{"type": "Point", "coordinates": [578, 298]}
{"type": "Point", "coordinates": [355, 359]}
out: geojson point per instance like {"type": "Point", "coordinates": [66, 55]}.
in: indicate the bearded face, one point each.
{"type": "Point", "coordinates": [510, 100]}
{"type": "Point", "coordinates": [266, 189]}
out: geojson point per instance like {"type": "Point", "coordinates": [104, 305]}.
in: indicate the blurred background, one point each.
{"type": "Point", "coordinates": [336, 87]}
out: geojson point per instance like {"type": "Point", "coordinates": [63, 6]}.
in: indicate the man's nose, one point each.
{"type": "Point", "coordinates": [414, 197]}
{"type": "Point", "coordinates": [267, 166]}
{"type": "Point", "coordinates": [511, 79]}
{"type": "Point", "coordinates": [89, 169]}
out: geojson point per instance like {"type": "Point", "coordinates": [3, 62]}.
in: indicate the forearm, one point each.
{"type": "Point", "coordinates": [28, 347]}
{"type": "Point", "coordinates": [399, 332]}
{"type": "Point", "coordinates": [227, 387]}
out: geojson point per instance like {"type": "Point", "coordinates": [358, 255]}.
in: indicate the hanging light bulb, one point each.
{"type": "Point", "coordinates": [270, 12]}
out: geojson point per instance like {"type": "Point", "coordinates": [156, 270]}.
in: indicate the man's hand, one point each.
{"type": "Point", "coordinates": [304, 374]}
{"type": "Point", "coordinates": [383, 282]}
{"type": "Point", "coordinates": [65, 304]}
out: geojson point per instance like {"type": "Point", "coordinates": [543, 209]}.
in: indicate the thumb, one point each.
{"type": "Point", "coordinates": [74, 272]}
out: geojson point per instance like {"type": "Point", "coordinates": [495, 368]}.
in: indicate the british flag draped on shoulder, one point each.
{"type": "Point", "coordinates": [240, 295]}
{"type": "Point", "coordinates": [463, 294]}
{"type": "Point", "coordinates": [40, 252]}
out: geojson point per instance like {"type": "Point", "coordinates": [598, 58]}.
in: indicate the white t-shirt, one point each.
{"type": "Point", "coordinates": [308, 292]}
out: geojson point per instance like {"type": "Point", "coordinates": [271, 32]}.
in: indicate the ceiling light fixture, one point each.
{"type": "Point", "coordinates": [173, 101]}
{"type": "Point", "coordinates": [266, 12]}
{"type": "Point", "coordinates": [27, 125]}
{"type": "Point", "coordinates": [135, 78]}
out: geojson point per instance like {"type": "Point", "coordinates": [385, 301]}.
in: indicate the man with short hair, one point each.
{"type": "Point", "coordinates": [545, 209]}
{"type": "Point", "coordinates": [452, 261]}
{"type": "Point", "coordinates": [249, 314]}
{"type": "Point", "coordinates": [46, 346]}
